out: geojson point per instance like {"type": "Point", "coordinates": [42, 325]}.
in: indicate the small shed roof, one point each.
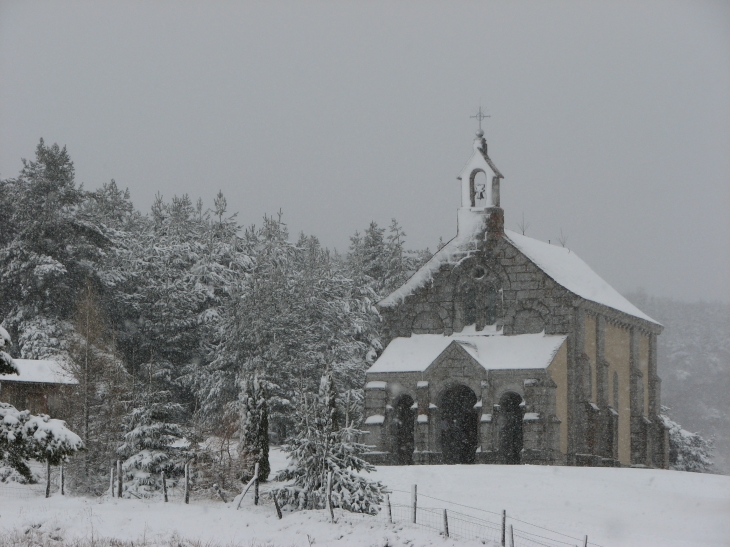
{"type": "Point", "coordinates": [492, 351]}
{"type": "Point", "coordinates": [39, 372]}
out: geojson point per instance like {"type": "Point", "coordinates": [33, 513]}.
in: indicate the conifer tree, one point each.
{"type": "Point", "coordinates": [254, 442]}
{"type": "Point", "coordinates": [7, 366]}
{"type": "Point", "coordinates": [687, 451]}
{"type": "Point", "coordinates": [154, 439]}
{"type": "Point", "coordinates": [320, 446]}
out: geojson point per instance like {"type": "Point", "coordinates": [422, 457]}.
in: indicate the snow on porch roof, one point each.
{"type": "Point", "coordinates": [40, 372]}
{"type": "Point", "coordinates": [568, 270]}
{"type": "Point", "coordinates": [492, 351]}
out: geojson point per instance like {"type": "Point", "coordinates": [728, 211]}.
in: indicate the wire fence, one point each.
{"type": "Point", "coordinates": [16, 489]}
{"type": "Point", "coordinates": [482, 525]}
{"type": "Point", "coordinates": [466, 522]}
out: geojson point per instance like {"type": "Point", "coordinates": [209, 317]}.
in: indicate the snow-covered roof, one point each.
{"type": "Point", "coordinates": [561, 264]}
{"type": "Point", "coordinates": [493, 351]}
{"type": "Point", "coordinates": [37, 371]}
{"type": "Point", "coordinates": [568, 270]}
{"type": "Point", "coordinates": [456, 250]}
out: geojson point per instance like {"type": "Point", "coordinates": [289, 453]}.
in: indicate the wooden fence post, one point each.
{"type": "Point", "coordinates": [329, 495]}
{"type": "Point", "coordinates": [511, 536]}
{"type": "Point", "coordinates": [256, 484]}
{"type": "Point", "coordinates": [504, 526]}
{"type": "Point", "coordinates": [276, 504]}
{"type": "Point", "coordinates": [111, 482]}
{"type": "Point", "coordinates": [63, 478]}
{"type": "Point", "coordinates": [119, 478]}
{"type": "Point", "coordinates": [446, 524]}
{"type": "Point", "coordinates": [48, 479]}
{"type": "Point", "coordinates": [164, 486]}
{"type": "Point", "coordinates": [187, 483]}
{"type": "Point", "coordinates": [414, 501]}
{"type": "Point", "coordinates": [220, 493]}
{"type": "Point", "coordinates": [390, 511]}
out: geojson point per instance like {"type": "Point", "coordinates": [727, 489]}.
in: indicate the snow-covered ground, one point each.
{"type": "Point", "coordinates": [614, 507]}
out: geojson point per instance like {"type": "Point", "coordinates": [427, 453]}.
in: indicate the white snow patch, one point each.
{"type": "Point", "coordinates": [376, 385]}
{"type": "Point", "coordinates": [421, 383]}
{"type": "Point", "coordinates": [486, 418]}
{"type": "Point", "coordinates": [375, 419]}
{"type": "Point", "coordinates": [531, 416]}
{"type": "Point", "coordinates": [422, 419]}
{"type": "Point", "coordinates": [676, 509]}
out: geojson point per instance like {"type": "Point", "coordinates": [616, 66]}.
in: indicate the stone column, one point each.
{"type": "Point", "coordinates": [423, 444]}
{"type": "Point", "coordinates": [376, 399]}
{"type": "Point", "coordinates": [636, 387]}
{"type": "Point", "coordinates": [486, 424]}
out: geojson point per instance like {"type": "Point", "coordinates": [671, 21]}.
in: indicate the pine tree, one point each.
{"type": "Point", "coordinates": [687, 451]}
{"type": "Point", "coordinates": [154, 439]}
{"type": "Point", "coordinates": [48, 252]}
{"type": "Point", "coordinates": [253, 446]}
{"type": "Point", "coordinates": [319, 447]}
{"type": "Point", "coordinates": [7, 366]}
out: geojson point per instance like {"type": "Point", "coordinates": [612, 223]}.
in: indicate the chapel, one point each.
{"type": "Point", "coordinates": [506, 349]}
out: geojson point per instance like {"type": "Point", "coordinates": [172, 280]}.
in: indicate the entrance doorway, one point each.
{"type": "Point", "coordinates": [510, 428]}
{"type": "Point", "coordinates": [403, 430]}
{"type": "Point", "coordinates": [459, 425]}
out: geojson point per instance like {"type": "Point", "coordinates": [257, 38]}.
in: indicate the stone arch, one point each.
{"type": "Point", "coordinates": [473, 190]}
{"type": "Point", "coordinates": [510, 427]}
{"type": "Point", "coordinates": [427, 322]}
{"type": "Point", "coordinates": [527, 318]}
{"type": "Point", "coordinates": [402, 429]}
{"type": "Point", "coordinates": [459, 424]}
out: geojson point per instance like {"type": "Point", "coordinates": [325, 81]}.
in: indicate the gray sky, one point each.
{"type": "Point", "coordinates": [610, 120]}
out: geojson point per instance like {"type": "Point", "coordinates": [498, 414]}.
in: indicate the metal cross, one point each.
{"type": "Point", "coordinates": [479, 116]}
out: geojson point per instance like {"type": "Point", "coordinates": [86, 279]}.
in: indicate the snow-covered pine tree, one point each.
{"type": "Point", "coordinates": [7, 366]}
{"type": "Point", "coordinates": [253, 445]}
{"type": "Point", "coordinates": [47, 251]}
{"type": "Point", "coordinates": [25, 436]}
{"type": "Point", "coordinates": [154, 440]}
{"type": "Point", "coordinates": [687, 451]}
{"type": "Point", "coordinates": [319, 447]}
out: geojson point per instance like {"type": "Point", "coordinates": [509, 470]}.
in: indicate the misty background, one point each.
{"type": "Point", "coordinates": [610, 121]}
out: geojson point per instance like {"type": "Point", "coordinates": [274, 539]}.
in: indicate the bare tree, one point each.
{"type": "Point", "coordinates": [563, 239]}
{"type": "Point", "coordinates": [522, 225]}
{"type": "Point", "coordinates": [97, 408]}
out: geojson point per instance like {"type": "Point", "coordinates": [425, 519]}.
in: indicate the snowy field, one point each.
{"type": "Point", "coordinates": [614, 507]}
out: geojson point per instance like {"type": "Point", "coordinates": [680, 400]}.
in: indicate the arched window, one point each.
{"type": "Point", "coordinates": [478, 189]}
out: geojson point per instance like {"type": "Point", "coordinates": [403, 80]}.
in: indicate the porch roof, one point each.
{"type": "Point", "coordinates": [492, 350]}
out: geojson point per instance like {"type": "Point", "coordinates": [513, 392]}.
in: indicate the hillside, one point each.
{"type": "Point", "coordinates": [694, 365]}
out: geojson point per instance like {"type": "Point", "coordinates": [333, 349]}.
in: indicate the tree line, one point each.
{"type": "Point", "coordinates": [167, 319]}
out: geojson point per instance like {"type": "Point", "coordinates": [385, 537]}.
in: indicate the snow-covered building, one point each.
{"type": "Point", "coordinates": [506, 349]}
{"type": "Point", "coordinates": [40, 386]}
